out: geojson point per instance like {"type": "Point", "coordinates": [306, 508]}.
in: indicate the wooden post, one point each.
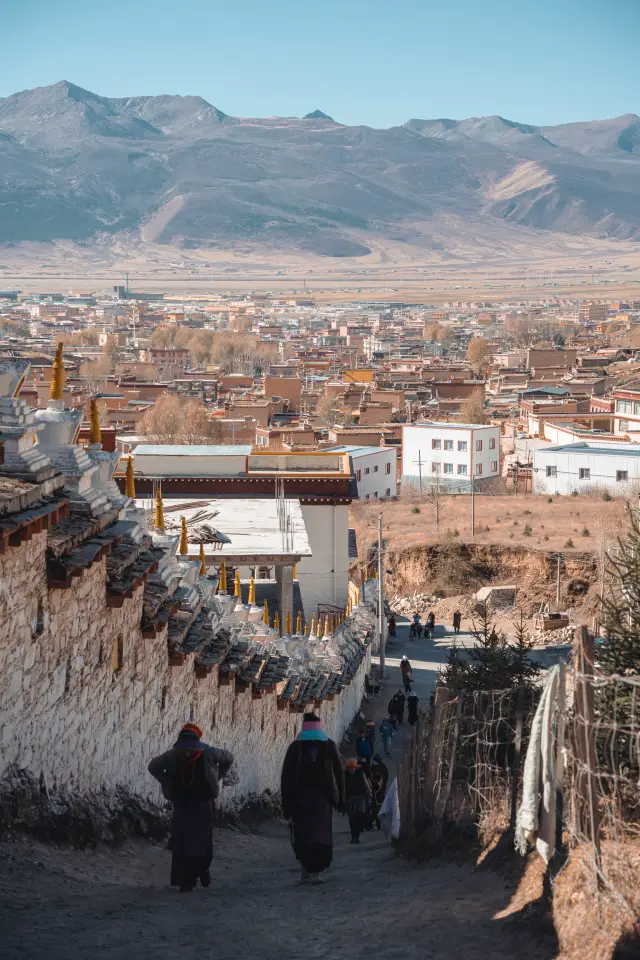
{"type": "Point", "coordinates": [434, 752]}
{"type": "Point", "coordinates": [517, 757]}
{"type": "Point", "coordinates": [443, 799]}
{"type": "Point", "coordinates": [587, 813]}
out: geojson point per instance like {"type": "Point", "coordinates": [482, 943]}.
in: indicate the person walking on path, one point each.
{"type": "Point", "coordinates": [386, 732]}
{"type": "Point", "coordinates": [312, 787]}
{"type": "Point", "coordinates": [412, 708]}
{"type": "Point", "coordinates": [379, 775]}
{"type": "Point", "coordinates": [358, 793]}
{"type": "Point", "coordinates": [457, 620]}
{"type": "Point", "coordinates": [396, 707]}
{"type": "Point", "coordinates": [364, 750]}
{"type": "Point", "coordinates": [189, 775]}
{"type": "Point", "coordinates": [392, 626]}
{"type": "Point", "coordinates": [405, 669]}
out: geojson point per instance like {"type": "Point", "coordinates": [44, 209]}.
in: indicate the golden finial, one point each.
{"type": "Point", "coordinates": [265, 614]}
{"type": "Point", "coordinates": [293, 572]}
{"type": "Point", "coordinates": [327, 625]}
{"type": "Point", "coordinates": [276, 622]}
{"type": "Point", "coordinates": [252, 591]}
{"type": "Point", "coordinates": [203, 565]}
{"type": "Point", "coordinates": [309, 628]}
{"type": "Point", "coordinates": [237, 589]}
{"type": "Point", "coordinates": [288, 623]}
{"type": "Point", "coordinates": [312, 626]}
{"type": "Point", "coordinates": [94, 423]}
{"type": "Point", "coordinates": [222, 579]}
{"type": "Point", "coordinates": [319, 630]}
{"type": "Point", "coordinates": [184, 543]}
{"type": "Point", "coordinates": [130, 486]}
{"type": "Point", "coordinates": [299, 623]}
{"type": "Point", "coordinates": [159, 510]}
{"type": "Point", "coordinates": [57, 378]}
{"type": "Point", "coordinates": [365, 575]}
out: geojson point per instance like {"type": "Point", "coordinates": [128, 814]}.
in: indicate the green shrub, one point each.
{"type": "Point", "coordinates": [569, 543]}
{"type": "Point", "coordinates": [586, 532]}
{"type": "Point", "coordinates": [527, 530]}
{"type": "Point", "coordinates": [606, 496]}
{"type": "Point", "coordinates": [415, 509]}
{"type": "Point", "coordinates": [549, 499]}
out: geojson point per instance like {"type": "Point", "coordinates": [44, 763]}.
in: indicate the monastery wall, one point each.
{"type": "Point", "coordinates": [86, 700]}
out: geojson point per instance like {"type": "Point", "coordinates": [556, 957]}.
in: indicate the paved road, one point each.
{"type": "Point", "coordinates": [426, 657]}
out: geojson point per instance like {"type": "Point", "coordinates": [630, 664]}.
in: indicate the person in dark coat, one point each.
{"type": "Point", "coordinates": [396, 707]}
{"type": "Point", "coordinates": [457, 620]}
{"type": "Point", "coordinates": [379, 776]}
{"type": "Point", "coordinates": [412, 708]}
{"type": "Point", "coordinates": [364, 750]}
{"type": "Point", "coordinates": [358, 793]}
{"type": "Point", "coordinates": [405, 669]}
{"type": "Point", "coordinates": [312, 787]}
{"type": "Point", "coordinates": [190, 775]}
{"type": "Point", "coordinates": [392, 626]}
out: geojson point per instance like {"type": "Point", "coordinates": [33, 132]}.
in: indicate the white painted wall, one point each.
{"type": "Point", "coordinates": [464, 463]}
{"type": "Point", "coordinates": [375, 473]}
{"type": "Point", "coordinates": [324, 577]}
{"type": "Point", "coordinates": [556, 470]}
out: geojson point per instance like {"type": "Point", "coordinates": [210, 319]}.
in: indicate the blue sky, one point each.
{"type": "Point", "coordinates": [374, 62]}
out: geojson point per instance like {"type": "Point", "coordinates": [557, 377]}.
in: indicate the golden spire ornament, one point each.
{"type": "Point", "coordinates": [293, 572]}
{"type": "Point", "coordinates": [159, 510]}
{"type": "Point", "coordinates": [57, 377]}
{"type": "Point", "coordinates": [308, 628]}
{"type": "Point", "coordinates": [222, 579]}
{"type": "Point", "coordinates": [184, 543]}
{"type": "Point", "coordinates": [288, 623]}
{"type": "Point", "coordinates": [299, 623]}
{"type": "Point", "coordinates": [203, 564]}
{"type": "Point", "coordinates": [94, 423]}
{"type": "Point", "coordinates": [130, 485]}
{"type": "Point", "coordinates": [265, 614]}
{"type": "Point", "coordinates": [276, 622]}
{"type": "Point", "coordinates": [319, 630]}
{"type": "Point", "coordinates": [237, 589]}
{"type": "Point", "coordinates": [312, 626]}
{"type": "Point", "coordinates": [252, 591]}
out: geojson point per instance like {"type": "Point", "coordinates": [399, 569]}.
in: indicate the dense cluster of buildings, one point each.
{"type": "Point", "coordinates": [460, 395]}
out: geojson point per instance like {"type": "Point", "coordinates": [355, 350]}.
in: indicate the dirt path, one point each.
{"type": "Point", "coordinates": [115, 905]}
{"type": "Point", "coordinates": [112, 905]}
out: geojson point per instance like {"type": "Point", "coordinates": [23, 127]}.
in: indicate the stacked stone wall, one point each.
{"type": "Point", "coordinates": [67, 713]}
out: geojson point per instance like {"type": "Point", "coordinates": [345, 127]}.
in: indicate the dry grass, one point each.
{"type": "Point", "coordinates": [500, 520]}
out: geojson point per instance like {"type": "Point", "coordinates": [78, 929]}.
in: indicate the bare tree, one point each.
{"type": "Point", "coordinates": [472, 410]}
{"type": "Point", "coordinates": [435, 496]}
{"type": "Point", "coordinates": [173, 419]}
{"type": "Point", "coordinates": [477, 352]}
{"type": "Point", "coordinates": [326, 410]}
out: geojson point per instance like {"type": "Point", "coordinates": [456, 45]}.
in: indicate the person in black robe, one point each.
{"type": "Point", "coordinates": [358, 794]}
{"type": "Point", "coordinates": [312, 787]}
{"type": "Point", "coordinates": [412, 708]}
{"type": "Point", "coordinates": [190, 775]}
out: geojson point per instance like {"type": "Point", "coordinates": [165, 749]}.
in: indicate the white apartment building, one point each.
{"type": "Point", "coordinates": [375, 469]}
{"type": "Point", "coordinates": [584, 466]}
{"type": "Point", "coordinates": [452, 453]}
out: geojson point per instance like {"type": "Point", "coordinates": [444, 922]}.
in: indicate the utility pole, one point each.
{"type": "Point", "coordinates": [558, 584]}
{"type": "Point", "coordinates": [381, 598]}
{"type": "Point", "coordinates": [419, 462]}
{"type": "Point", "coordinates": [473, 508]}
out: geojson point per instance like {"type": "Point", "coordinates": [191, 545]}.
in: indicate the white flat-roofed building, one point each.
{"type": "Point", "coordinates": [581, 467]}
{"type": "Point", "coordinates": [449, 453]}
{"type": "Point", "coordinates": [375, 470]}
{"type": "Point", "coordinates": [184, 460]}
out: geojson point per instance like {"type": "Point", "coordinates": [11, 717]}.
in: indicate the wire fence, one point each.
{"type": "Point", "coordinates": [463, 767]}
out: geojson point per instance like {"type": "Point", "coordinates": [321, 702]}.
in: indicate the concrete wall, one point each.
{"type": "Point", "coordinates": [324, 577]}
{"type": "Point", "coordinates": [371, 473]}
{"type": "Point", "coordinates": [418, 439]}
{"type": "Point", "coordinates": [65, 712]}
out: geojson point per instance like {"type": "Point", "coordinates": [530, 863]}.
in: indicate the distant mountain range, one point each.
{"type": "Point", "coordinates": [177, 170]}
